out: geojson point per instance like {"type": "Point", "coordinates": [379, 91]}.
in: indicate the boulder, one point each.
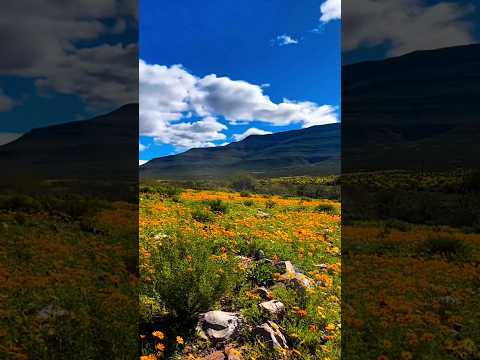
{"type": "Point", "coordinates": [270, 333]}
{"type": "Point", "coordinates": [219, 326]}
{"type": "Point", "coordinates": [273, 307]}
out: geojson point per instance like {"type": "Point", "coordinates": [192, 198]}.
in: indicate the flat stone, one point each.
{"type": "Point", "coordinates": [219, 325]}
{"type": "Point", "coordinates": [270, 333]}
{"type": "Point", "coordinates": [273, 307]}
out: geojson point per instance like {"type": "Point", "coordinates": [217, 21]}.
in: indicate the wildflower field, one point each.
{"type": "Point", "coordinates": [212, 250]}
{"type": "Point", "coordinates": [410, 260]}
{"type": "Point", "coordinates": [68, 278]}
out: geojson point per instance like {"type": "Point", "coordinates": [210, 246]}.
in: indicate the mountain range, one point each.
{"type": "Point", "coordinates": [416, 111]}
{"type": "Point", "coordinates": [311, 151]}
{"type": "Point", "coordinates": [104, 147]}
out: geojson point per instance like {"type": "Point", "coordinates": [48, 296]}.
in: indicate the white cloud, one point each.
{"type": "Point", "coordinates": [45, 49]}
{"type": "Point", "coordinates": [282, 40]}
{"type": "Point", "coordinates": [7, 137]}
{"type": "Point", "coordinates": [141, 162]}
{"type": "Point", "coordinates": [142, 147]}
{"type": "Point", "coordinates": [398, 24]}
{"type": "Point", "coordinates": [331, 10]}
{"type": "Point", "coordinates": [171, 95]}
{"type": "Point", "coordinates": [251, 131]}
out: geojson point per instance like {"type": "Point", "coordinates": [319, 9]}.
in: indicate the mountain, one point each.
{"type": "Point", "coordinates": [416, 111]}
{"type": "Point", "coordinates": [314, 150]}
{"type": "Point", "coordinates": [102, 148]}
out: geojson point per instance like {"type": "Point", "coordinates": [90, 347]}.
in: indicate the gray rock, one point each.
{"type": "Point", "coordinates": [50, 312]}
{"type": "Point", "coordinates": [298, 279]}
{"type": "Point", "coordinates": [274, 307]}
{"type": "Point", "coordinates": [285, 267]}
{"type": "Point", "coordinates": [270, 332]}
{"type": "Point", "coordinates": [262, 214]}
{"type": "Point", "coordinates": [219, 326]}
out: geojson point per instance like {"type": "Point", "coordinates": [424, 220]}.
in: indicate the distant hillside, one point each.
{"type": "Point", "coordinates": [420, 110]}
{"type": "Point", "coordinates": [104, 147]}
{"type": "Point", "coordinates": [310, 151]}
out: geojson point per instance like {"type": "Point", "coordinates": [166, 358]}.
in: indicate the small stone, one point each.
{"type": "Point", "coordinates": [50, 311]}
{"type": "Point", "coordinates": [219, 325]}
{"type": "Point", "coordinates": [300, 280]}
{"type": "Point", "coordinates": [263, 214]}
{"type": "Point", "coordinates": [270, 332]}
{"type": "Point", "coordinates": [259, 255]}
{"type": "Point", "coordinates": [273, 307]}
{"type": "Point", "coordinates": [160, 236]}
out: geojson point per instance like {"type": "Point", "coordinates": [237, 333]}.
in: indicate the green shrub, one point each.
{"type": "Point", "coordinates": [270, 204]}
{"type": "Point", "coordinates": [327, 208]}
{"type": "Point", "coordinates": [248, 203]}
{"type": "Point", "coordinates": [245, 194]}
{"type": "Point", "coordinates": [20, 203]}
{"type": "Point", "coordinates": [218, 206]}
{"type": "Point", "coordinates": [190, 278]}
{"type": "Point", "coordinates": [450, 248]}
{"type": "Point", "coordinates": [261, 273]}
{"type": "Point", "coordinates": [203, 215]}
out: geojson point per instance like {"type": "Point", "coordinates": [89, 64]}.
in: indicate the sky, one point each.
{"type": "Point", "coordinates": [215, 72]}
{"type": "Point", "coordinates": [63, 63]}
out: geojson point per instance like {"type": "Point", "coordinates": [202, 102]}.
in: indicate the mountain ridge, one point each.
{"type": "Point", "coordinates": [314, 150]}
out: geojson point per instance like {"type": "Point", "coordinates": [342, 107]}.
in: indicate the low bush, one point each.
{"type": "Point", "coordinates": [327, 208]}
{"type": "Point", "coordinates": [202, 215]}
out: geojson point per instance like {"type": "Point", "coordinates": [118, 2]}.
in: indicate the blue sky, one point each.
{"type": "Point", "coordinates": [279, 47]}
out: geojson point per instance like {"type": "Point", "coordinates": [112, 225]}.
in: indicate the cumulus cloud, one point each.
{"type": "Point", "coordinates": [330, 10]}
{"type": "Point", "coordinates": [7, 137]}
{"type": "Point", "coordinates": [251, 131]}
{"type": "Point", "coordinates": [141, 162]}
{"type": "Point", "coordinates": [171, 95]}
{"type": "Point", "coordinates": [45, 48]}
{"type": "Point", "coordinates": [398, 23]}
{"type": "Point", "coordinates": [283, 40]}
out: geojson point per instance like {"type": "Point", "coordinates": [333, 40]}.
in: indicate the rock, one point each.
{"type": "Point", "coordinates": [219, 326]}
{"type": "Point", "coordinates": [298, 279]}
{"type": "Point", "coordinates": [262, 214]}
{"type": "Point", "coordinates": [160, 236]}
{"type": "Point", "coordinates": [263, 292]}
{"type": "Point", "coordinates": [259, 255]}
{"type": "Point", "coordinates": [270, 332]}
{"type": "Point", "coordinates": [49, 312]}
{"type": "Point", "coordinates": [273, 307]}
{"type": "Point", "coordinates": [217, 355]}
{"type": "Point", "coordinates": [285, 267]}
